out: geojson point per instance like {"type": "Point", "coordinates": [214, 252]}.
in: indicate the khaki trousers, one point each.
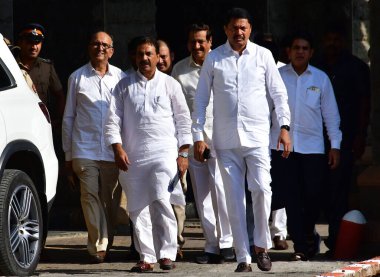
{"type": "Point", "coordinates": [100, 199]}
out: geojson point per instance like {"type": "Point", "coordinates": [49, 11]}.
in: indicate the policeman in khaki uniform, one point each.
{"type": "Point", "coordinates": [44, 77]}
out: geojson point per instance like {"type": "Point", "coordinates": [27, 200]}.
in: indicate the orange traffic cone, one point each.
{"type": "Point", "coordinates": [350, 235]}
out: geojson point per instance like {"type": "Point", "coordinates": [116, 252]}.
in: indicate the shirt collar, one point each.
{"type": "Point", "coordinates": [289, 67]}
{"type": "Point", "coordinates": [109, 70]}
{"type": "Point", "coordinates": [143, 78]}
{"type": "Point", "coordinates": [192, 63]}
{"type": "Point", "coordinates": [249, 48]}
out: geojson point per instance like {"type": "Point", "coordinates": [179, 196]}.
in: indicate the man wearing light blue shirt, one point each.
{"type": "Point", "coordinates": [240, 73]}
{"type": "Point", "coordinates": [312, 104]}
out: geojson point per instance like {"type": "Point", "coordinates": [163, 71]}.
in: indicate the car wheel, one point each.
{"type": "Point", "coordinates": [21, 225]}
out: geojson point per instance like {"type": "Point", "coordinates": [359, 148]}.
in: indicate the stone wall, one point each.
{"type": "Point", "coordinates": [360, 29]}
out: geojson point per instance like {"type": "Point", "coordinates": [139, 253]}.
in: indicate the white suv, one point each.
{"type": "Point", "coordinates": [28, 170]}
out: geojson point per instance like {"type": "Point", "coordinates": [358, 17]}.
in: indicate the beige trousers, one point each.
{"type": "Point", "coordinates": [180, 214]}
{"type": "Point", "coordinates": [100, 199]}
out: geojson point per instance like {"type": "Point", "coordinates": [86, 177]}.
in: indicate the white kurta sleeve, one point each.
{"type": "Point", "coordinates": [202, 99]}
{"type": "Point", "coordinates": [181, 115]}
{"type": "Point", "coordinates": [112, 129]}
{"type": "Point", "coordinates": [277, 91]}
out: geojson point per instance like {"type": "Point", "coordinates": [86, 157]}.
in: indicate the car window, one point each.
{"type": "Point", "coordinates": [6, 79]}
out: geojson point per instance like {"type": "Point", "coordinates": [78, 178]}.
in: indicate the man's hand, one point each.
{"type": "Point", "coordinates": [71, 178]}
{"type": "Point", "coordinates": [284, 139]}
{"type": "Point", "coordinates": [121, 157]}
{"type": "Point", "coordinates": [199, 148]}
{"type": "Point", "coordinates": [334, 158]}
{"type": "Point", "coordinates": [183, 163]}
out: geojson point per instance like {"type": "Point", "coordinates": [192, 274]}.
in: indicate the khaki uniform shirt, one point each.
{"type": "Point", "coordinates": [45, 79]}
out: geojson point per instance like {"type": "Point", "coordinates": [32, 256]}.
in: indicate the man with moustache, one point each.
{"type": "Point", "coordinates": [239, 74]}
{"type": "Point", "coordinates": [312, 104]}
{"type": "Point", "coordinates": [205, 177]}
{"type": "Point", "coordinates": [88, 99]}
{"type": "Point", "coordinates": [44, 77]}
{"type": "Point", "coordinates": [148, 127]}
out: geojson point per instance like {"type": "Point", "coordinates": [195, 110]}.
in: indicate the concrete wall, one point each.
{"type": "Point", "coordinates": [126, 19]}
{"type": "Point", "coordinates": [313, 15]}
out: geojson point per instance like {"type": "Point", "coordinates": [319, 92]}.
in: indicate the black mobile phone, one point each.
{"type": "Point", "coordinates": [206, 154]}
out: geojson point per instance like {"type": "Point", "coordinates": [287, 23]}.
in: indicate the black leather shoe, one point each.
{"type": "Point", "coordinates": [298, 256]}
{"type": "Point", "coordinates": [243, 267]}
{"type": "Point", "coordinates": [263, 261]}
{"type": "Point", "coordinates": [209, 258]}
{"type": "Point", "coordinates": [227, 254]}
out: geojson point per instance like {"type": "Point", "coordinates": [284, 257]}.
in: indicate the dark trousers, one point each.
{"type": "Point", "coordinates": [336, 193]}
{"type": "Point", "coordinates": [301, 178]}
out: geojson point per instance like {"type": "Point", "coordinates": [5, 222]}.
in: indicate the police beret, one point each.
{"type": "Point", "coordinates": [33, 32]}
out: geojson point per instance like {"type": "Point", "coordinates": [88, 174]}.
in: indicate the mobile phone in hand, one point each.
{"type": "Point", "coordinates": [206, 154]}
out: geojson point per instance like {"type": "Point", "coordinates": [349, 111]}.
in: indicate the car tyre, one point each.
{"type": "Point", "coordinates": [21, 224]}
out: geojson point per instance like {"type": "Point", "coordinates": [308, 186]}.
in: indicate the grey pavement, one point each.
{"type": "Point", "coordinates": [65, 254]}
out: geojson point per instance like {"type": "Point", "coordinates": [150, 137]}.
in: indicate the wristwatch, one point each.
{"type": "Point", "coordinates": [183, 154]}
{"type": "Point", "coordinates": [286, 127]}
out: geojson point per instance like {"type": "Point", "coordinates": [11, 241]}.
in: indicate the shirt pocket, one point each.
{"type": "Point", "coordinates": [313, 97]}
{"type": "Point", "coordinates": [162, 104]}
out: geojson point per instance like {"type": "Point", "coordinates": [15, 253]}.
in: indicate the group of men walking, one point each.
{"type": "Point", "coordinates": [228, 117]}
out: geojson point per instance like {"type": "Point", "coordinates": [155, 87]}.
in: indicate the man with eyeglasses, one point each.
{"type": "Point", "coordinates": [88, 98]}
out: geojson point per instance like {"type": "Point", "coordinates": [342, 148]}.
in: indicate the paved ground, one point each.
{"type": "Point", "coordinates": [65, 254]}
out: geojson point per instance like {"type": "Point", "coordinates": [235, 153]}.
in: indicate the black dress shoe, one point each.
{"type": "Point", "coordinates": [263, 261]}
{"type": "Point", "coordinates": [227, 254]}
{"type": "Point", "coordinates": [209, 258]}
{"type": "Point", "coordinates": [243, 267]}
{"type": "Point", "coordinates": [298, 256]}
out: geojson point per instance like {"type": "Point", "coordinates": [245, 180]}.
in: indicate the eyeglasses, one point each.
{"type": "Point", "coordinates": [97, 44]}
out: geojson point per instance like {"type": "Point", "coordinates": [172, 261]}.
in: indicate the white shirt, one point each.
{"type": "Point", "coordinates": [151, 120]}
{"type": "Point", "coordinates": [87, 104]}
{"type": "Point", "coordinates": [239, 84]}
{"type": "Point", "coordinates": [187, 73]}
{"type": "Point", "coordinates": [312, 103]}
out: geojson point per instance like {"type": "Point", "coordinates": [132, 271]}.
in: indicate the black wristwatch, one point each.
{"type": "Point", "coordinates": [286, 127]}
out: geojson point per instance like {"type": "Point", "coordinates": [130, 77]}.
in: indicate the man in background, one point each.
{"type": "Point", "coordinates": [205, 177]}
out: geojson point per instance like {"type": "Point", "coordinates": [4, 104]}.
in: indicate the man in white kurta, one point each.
{"type": "Point", "coordinates": [149, 129]}
{"type": "Point", "coordinates": [205, 177]}
{"type": "Point", "coordinates": [239, 73]}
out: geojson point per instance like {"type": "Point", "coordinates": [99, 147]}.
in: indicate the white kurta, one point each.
{"type": "Point", "coordinates": [150, 118]}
